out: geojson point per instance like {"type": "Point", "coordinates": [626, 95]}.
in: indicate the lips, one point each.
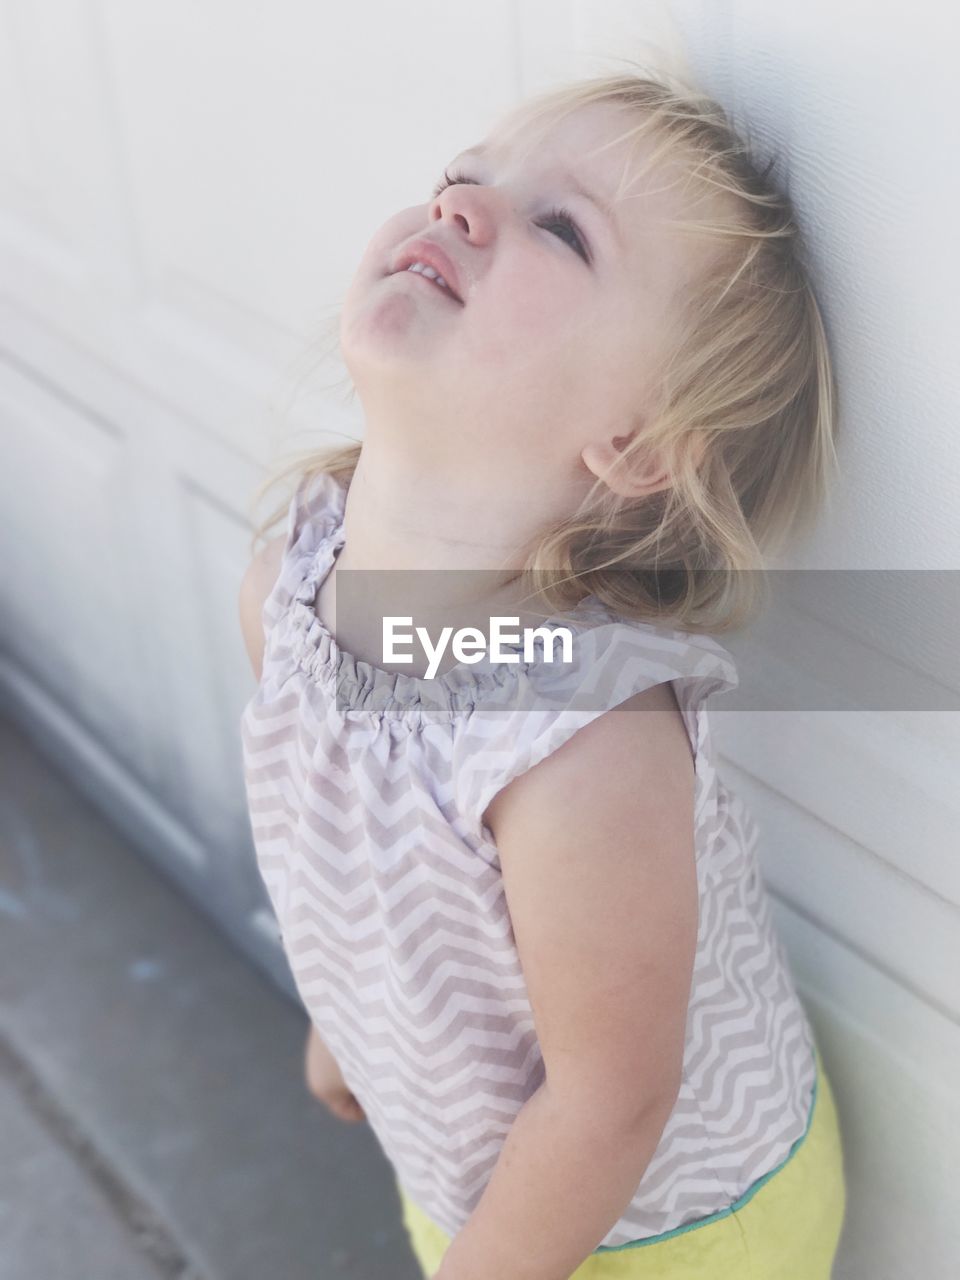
{"type": "Point", "coordinates": [431, 255]}
{"type": "Point", "coordinates": [433, 285]}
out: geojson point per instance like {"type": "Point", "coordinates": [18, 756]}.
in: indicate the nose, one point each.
{"type": "Point", "coordinates": [468, 206]}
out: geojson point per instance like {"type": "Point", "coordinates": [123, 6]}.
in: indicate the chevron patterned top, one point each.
{"type": "Point", "coordinates": [366, 791]}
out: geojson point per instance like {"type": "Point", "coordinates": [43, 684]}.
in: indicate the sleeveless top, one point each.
{"type": "Point", "coordinates": [366, 791]}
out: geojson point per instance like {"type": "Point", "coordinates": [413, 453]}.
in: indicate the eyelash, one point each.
{"type": "Point", "coordinates": [559, 215]}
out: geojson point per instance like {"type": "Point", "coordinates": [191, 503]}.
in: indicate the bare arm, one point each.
{"type": "Point", "coordinates": [597, 852]}
{"type": "Point", "coordinates": [322, 1074]}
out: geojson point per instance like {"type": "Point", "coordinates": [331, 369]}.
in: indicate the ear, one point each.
{"type": "Point", "coordinates": [644, 474]}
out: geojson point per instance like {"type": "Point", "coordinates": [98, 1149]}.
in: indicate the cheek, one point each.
{"type": "Point", "coordinates": [533, 312]}
{"type": "Point", "coordinates": [534, 289]}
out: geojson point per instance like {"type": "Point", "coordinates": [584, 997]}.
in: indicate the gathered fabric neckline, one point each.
{"type": "Point", "coordinates": [364, 688]}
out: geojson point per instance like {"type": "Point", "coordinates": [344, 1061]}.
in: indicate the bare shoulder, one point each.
{"type": "Point", "coordinates": [644, 736]}
{"type": "Point", "coordinates": [257, 583]}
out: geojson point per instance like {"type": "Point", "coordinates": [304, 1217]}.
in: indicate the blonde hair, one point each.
{"type": "Point", "coordinates": [745, 403]}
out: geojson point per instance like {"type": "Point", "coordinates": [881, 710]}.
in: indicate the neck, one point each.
{"type": "Point", "coordinates": [451, 547]}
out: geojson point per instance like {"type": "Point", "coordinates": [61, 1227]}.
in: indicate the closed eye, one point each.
{"type": "Point", "coordinates": [559, 217]}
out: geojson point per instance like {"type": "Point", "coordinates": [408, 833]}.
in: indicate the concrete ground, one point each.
{"type": "Point", "coordinates": [153, 1119]}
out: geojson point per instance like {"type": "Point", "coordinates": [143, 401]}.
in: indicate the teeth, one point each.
{"type": "Point", "coordinates": [429, 273]}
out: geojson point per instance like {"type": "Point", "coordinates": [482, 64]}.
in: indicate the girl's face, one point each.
{"type": "Point", "coordinates": [561, 329]}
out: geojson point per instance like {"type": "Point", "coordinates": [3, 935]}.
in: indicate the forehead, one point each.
{"type": "Point", "coordinates": [586, 137]}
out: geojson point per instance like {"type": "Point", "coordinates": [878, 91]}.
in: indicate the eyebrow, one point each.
{"type": "Point", "coordinates": [571, 180]}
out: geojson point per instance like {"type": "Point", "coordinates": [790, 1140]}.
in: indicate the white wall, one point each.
{"type": "Point", "coordinates": [185, 189]}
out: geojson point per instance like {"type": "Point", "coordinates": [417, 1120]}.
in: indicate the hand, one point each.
{"type": "Point", "coordinates": [325, 1081]}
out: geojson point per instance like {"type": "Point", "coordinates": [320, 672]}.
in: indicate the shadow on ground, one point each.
{"type": "Point", "coordinates": [154, 1119]}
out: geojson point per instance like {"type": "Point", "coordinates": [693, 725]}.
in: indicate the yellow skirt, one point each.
{"type": "Point", "coordinates": [786, 1227]}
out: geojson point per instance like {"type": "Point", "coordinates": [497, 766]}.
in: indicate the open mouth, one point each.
{"type": "Point", "coordinates": [429, 280]}
{"type": "Point", "coordinates": [437, 288]}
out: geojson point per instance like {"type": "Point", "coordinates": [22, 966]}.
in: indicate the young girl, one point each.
{"type": "Point", "coordinates": [532, 937]}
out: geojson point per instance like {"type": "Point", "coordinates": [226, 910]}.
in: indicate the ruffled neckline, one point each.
{"type": "Point", "coordinates": [366, 689]}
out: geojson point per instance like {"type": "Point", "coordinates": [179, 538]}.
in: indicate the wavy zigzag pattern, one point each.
{"type": "Point", "coordinates": [366, 793]}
